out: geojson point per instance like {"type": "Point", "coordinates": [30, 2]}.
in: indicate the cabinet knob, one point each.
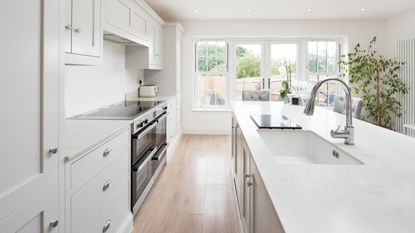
{"type": "Point", "coordinates": [106, 226]}
{"type": "Point", "coordinates": [53, 150]}
{"type": "Point", "coordinates": [77, 30]}
{"type": "Point", "coordinates": [68, 27]}
{"type": "Point", "coordinates": [107, 152]}
{"type": "Point", "coordinates": [54, 223]}
{"type": "Point", "coordinates": [106, 185]}
{"type": "Point", "coordinates": [249, 183]}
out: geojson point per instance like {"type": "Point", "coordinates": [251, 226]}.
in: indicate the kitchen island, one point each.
{"type": "Point", "coordinates": [377, 194]}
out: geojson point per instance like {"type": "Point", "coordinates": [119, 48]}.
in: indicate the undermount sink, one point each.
{"type": "Point", "coordinates": [304, 147]}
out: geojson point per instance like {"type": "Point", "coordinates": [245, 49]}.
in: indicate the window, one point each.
{"type": "Point", "coordinates": [284, 66]}
{"type": "Point", "coordinates": [211, 74]}
{"type": "Point", "coordinates": [263, 64]}
{"type": "Point", "coordinates": [248, 68]}
{"type": "Point", "coordinates": [322, 59]}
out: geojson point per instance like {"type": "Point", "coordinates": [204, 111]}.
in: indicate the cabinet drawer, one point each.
{"type": "Point", "coordinates": [86, 202]}
{"type": "Point", "coordinates": [87, 166]}
{"type": "Point", "coordinates": [114, 213]}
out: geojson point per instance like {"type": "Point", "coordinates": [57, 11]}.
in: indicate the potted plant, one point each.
{"type": "Point", "coordinates": [285, 91]}
{"type": "Point", "coordinates": [376, 79]}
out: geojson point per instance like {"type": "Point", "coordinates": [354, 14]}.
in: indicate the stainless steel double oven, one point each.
{"type": "Point", "coordinates": [148, 152]}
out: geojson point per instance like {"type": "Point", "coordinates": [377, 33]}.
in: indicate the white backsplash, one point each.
{"type": "Point", "coordinates": [91, 87]}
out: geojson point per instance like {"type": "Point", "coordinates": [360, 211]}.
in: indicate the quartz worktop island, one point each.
{"type": "Point", "coordinates": [377, 196]}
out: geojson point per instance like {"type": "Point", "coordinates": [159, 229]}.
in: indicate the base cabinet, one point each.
{"type": "Point", "coordinates": [98, 187]}
{"type": "Point", "coordinates": [257, 212]}
{"type": "Point", "coordinates": [38, 216]}
{"type": "Point", "coordinates": [29, 160]}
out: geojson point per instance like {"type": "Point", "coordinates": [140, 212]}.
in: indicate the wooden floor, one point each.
{"type": "Point", "coordinates": [193, 194]}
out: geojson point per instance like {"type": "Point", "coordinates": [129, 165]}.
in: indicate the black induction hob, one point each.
{"type": "Point", "coordinates": [124, 110]}
{"type": "Point", "coordinates": [276, 121]}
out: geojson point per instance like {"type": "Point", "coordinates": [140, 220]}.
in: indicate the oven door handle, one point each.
{"type": "Point", "coordinates": [147, 160]}
{"type": "Point", "coordinates": [162, 117]}
{"type": "Point", "coordinates": [160, 154]}
{"type": "Point", "coordinates": [141, 134]}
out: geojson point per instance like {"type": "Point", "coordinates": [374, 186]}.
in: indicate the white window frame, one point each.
{"type": "Point", "coordinates": [302, 62]}
{"type": "Point", "coordinates": [339, 51]}
{"type": "Point", "coordinates": [232, 51]}
{"type": "Point", "coordinates": [219, 108]}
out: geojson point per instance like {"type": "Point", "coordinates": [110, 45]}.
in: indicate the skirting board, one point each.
{"type": "Point", "coordinates": [208, 131]}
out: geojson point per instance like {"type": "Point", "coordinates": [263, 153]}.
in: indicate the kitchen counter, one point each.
{"type": "Point", "coordinates": [83, 135]}
{"type": "Point", "coordinates": [377, 197]}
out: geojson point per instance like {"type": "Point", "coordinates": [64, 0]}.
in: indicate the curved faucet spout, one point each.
{"type": "Point", "coordinates": [348, 132]}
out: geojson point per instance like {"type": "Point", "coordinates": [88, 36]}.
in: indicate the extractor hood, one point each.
{"type": "Point", "coordinates": [118, 39]}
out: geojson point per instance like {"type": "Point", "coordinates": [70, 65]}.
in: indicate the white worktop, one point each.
{"type": "Point", "coordinates": [377, 197]}
{"type": "Point", "coordinates": [83, 135]}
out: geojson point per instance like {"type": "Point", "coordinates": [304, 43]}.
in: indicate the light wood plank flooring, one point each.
{"type": "Point", "coordinates": [193, 194]}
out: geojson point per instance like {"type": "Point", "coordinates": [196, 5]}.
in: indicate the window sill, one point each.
{"type": "Point", "coordinates": [211, 110]}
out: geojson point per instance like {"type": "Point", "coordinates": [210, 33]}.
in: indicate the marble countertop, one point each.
{"type": "Point", "coordinates": [83, 135]}
{"type": "Point", "coordinates": [377, 197]}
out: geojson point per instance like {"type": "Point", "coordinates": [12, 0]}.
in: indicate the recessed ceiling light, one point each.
{"type": "Point", "coordinates": [196, 10]}
{"type": "Point", "coordinates": [364, 9]}
{"type": "Point", "coordinates": [249, 10]}
{"type": "Point", "coordinates": [310, 9]}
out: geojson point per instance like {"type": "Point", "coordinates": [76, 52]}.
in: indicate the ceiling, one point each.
{"type": "Point", "coordinates": [278, 9]}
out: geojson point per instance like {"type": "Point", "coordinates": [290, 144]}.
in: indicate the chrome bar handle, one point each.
{"type": "Point", "coordinates": [106, 226]}
{"type": "Point", "coordinates": [106, 185]}
{"type": "Point", "coordinates": [107, 152]}
{"type": "Point", "coordinates": [54, 223]}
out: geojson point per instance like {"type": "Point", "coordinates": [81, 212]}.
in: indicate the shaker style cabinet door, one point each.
{"type": "Point", "coordinates": [260, 203]}
{"type": "Point", "coordinates": [29, 118]}
{"type": "Point", "coordinates": [117, 14]}
{"type": "Point", "coordinates": [86, 27]}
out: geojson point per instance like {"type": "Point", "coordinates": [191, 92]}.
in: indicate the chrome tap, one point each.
{"type": "Point", "coordinates": [348, 132]}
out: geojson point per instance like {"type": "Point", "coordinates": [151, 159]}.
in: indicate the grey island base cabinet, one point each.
{"type": "Point", "coordinates": [256, 210]}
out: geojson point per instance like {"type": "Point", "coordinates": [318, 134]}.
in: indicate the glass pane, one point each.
{"type": "Point", "coordinates": [322, 56]}
{"type": "Point", "coordinates": [210, 91]}
{"type": "Point", "coordinates": [312, 57]}
{"type": "Point", "coordinates": [248, 68]}
{"type": "Point", "coordinates": [331, 57]}
{"type": "Point", "coordinates": [283, 67]}
{"type": "Point", "coordinates": [322, 64]}
{"type": "Point", "coordinates": [211, 56]}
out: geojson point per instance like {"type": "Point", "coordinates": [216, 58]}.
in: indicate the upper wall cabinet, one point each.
{"type": "Point", "coordinates": [83, 32]}
{"type": "Point", "coordinates": [126, 20]}
{"type": "Point", "coordinates": [155, 33]}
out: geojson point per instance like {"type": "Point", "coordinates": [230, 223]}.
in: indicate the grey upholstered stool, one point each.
{"type": "Point", "coordinates": [339, 106]}
{"type": "Point", "coordinates": [255, 95]}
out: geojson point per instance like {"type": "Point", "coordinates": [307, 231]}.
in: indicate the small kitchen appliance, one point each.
{"type": "Point", "coordinates": [148, 91]}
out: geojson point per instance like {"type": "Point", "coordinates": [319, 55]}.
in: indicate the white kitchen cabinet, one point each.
{"type": "Point", "coordinates": [155, 34]}
{"type": "Point", "coordinates": [83, 37]}
{"type": "Point", "coordinates": [247, 189]}
{"type": "Point", "coordinates": [30, 119]}
{"type": "Point", "coordinates": [126, 19]}
{"type": "Point", "coordinates": [257, 212]}
{"type": "Point", "coordinates": [97, 187]}
{"type": "Point", "coordinates": [171, 121]}
{"type": "Point", "coordinates": [148, 57]}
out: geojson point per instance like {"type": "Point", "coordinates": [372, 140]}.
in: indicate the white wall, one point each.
{"type": "Point", "coordinates": [399, 27]}
{"type": "Point", "coordinates": [220, 122]}
{"type": "Point", "coordinates": [91, 87]}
